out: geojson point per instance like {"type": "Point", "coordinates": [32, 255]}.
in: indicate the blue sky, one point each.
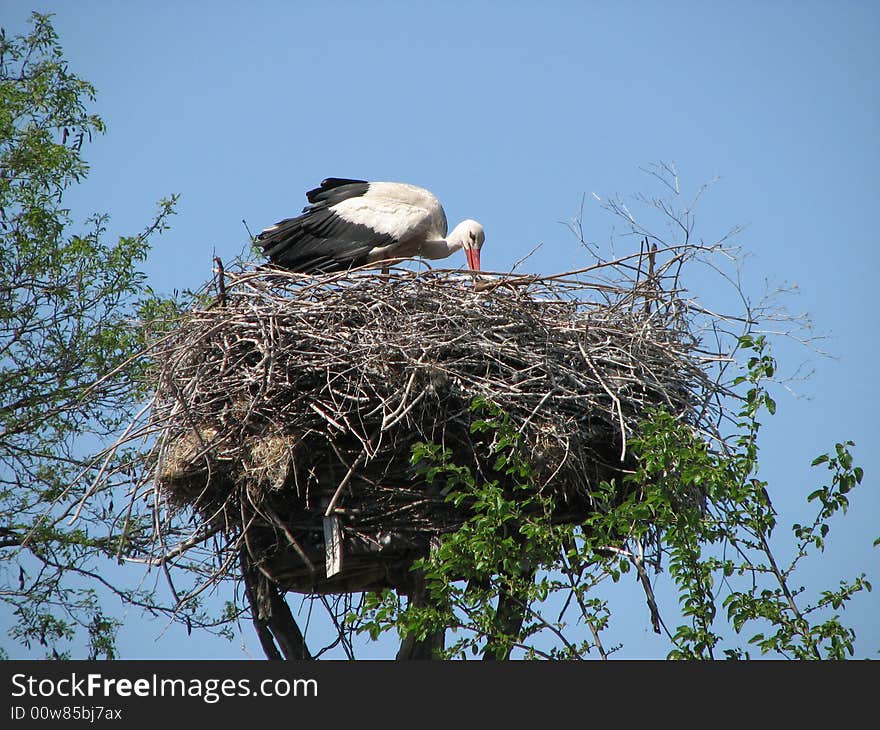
{"type": "Point", "coordinates": [511, 112]}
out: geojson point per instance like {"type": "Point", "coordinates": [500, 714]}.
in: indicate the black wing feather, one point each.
{"type": "Point", "coordinates": [336, 189]}
{"type": "Point", "coordinates": [319, 240]}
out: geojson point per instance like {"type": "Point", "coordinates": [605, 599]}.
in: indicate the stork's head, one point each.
{"type": "Point", "coordinates": [471, 235]}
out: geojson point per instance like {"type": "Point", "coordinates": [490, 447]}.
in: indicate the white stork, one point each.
{"type": "Point", "coordinates": [354, 222]}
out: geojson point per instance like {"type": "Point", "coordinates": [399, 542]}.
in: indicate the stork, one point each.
{"type": "Point", "coordinates": [354, 222]}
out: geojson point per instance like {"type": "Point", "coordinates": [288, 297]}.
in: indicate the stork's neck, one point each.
{"type": "Point", "coordinates": [443, 247]}
{"type": "Point", "coordinates": [440, 248]}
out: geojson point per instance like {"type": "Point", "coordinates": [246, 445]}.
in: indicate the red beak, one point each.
{"type": "Point", "coordinates": [473, 258]}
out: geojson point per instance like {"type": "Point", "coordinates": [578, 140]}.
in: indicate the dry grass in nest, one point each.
{"type": "Point", "coordinates": [299, 398]}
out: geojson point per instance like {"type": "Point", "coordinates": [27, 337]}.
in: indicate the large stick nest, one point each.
{"type": "Point", "coordinates": [297, 399]}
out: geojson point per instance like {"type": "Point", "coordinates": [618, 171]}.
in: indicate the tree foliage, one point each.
{"type": "Point", "coordinates": [717, 548]}
{"type": "Point", "coordinates": [69, 304]}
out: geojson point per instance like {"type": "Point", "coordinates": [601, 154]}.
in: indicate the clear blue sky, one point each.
{"type": "Point", "coordinates": [511, 112]}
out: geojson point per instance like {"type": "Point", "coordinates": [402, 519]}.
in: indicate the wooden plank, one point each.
{"type": "Point", "coordinates": [332, 545]}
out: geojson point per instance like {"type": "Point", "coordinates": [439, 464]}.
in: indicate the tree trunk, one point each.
{"type": "Point", "coordinates": [278, 631]}
{"type": "Point", "coordinates": [410, 647]}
